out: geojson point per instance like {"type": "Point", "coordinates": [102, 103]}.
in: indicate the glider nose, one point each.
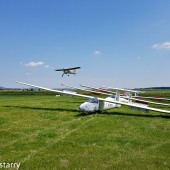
{"type": "Point", "coordinates": [88, 107]}
{"type": "Point", "coordinates": [82, 107]}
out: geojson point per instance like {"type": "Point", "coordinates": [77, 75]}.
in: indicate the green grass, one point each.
{"type": "Point", "coordinates": [48, 132]}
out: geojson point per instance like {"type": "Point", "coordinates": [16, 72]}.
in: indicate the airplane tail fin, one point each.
{"type": "Point", "coordinates": [136, 94]}
{"type": "Point", "coordinates": [126, 94]}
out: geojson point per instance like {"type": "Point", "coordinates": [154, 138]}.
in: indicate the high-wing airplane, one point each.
{"type": "Point", "coordinates": [68, 70]}
{"type": "Point", "coordinates": [95, 104]}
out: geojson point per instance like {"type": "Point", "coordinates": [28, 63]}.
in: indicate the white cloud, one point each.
{"type": "Point", "coordinates": [48, 66]}
{"type": "Point", "coordinates": [34, 64]}
{"type": "Point", "coordinates": [97, 52]}
{"type": "Point", "coordinates": [27, 74]}
{"type": "Point", "coordinates": [165, 45]}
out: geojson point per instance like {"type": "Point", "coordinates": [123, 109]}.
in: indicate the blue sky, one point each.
{"type": "Point", "coordinates": [116, 43]}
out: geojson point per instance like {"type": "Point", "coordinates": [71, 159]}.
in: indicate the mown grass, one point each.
{"type": "Point", "coordinates": [48, 132]}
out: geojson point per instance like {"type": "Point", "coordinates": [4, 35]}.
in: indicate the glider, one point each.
{"type": "Point", "coordinates": [125, 97]}
{"type": "Point", "coordinates": [95, 104]}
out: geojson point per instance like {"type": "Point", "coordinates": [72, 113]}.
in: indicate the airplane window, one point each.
{"type": "Point", "coordinates": [112, 96]}
{"type": "Point", "coordinates": [93, 100]}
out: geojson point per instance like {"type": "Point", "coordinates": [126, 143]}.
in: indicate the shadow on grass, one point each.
{"type": "Point", "coordinates": [126, 114]}
{"type": "Point", "coordinates": [76, 102]}
{"type": "Point", "coordinates": [44, 108]}
{"type": "Point", "coordinates": [88, 114]}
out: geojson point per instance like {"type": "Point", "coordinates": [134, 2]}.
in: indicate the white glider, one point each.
{"type": "Point", "coordinates": [99, 104]}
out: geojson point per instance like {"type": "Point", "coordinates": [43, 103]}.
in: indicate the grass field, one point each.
{"type": "Point", "coordinates": [46, 132]}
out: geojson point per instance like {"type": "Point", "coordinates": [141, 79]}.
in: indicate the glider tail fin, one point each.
{"type": "Point", "coordinates": [126, 94]}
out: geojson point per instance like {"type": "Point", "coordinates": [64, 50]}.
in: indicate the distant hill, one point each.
{"type": "Point", "coordinates": [2, 88]}
{"type": "Point", "coordinates": [154, 88]}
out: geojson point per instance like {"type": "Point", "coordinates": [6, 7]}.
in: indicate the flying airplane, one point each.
{"type": "Point", "coordinates": [68, 70]}
{"type": "Point", "coordinates": [95, 104]}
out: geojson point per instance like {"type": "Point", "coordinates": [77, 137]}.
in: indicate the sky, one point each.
{"type": "Point", "coordinates": [117, 43]}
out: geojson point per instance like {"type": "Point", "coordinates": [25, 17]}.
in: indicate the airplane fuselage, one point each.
{"type": "Point", "coordinates": [94, 105]}
{"type": "Point", "coordinates": [68, 72]}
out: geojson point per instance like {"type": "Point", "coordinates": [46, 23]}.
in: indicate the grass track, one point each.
{"type": "Point", "coordinates": [48, 132]}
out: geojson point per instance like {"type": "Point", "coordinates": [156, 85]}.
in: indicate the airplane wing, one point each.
{"type": "Point", "coordinates": [60, 69]}
{"type": "Point", "coordinates": [99, 89]}
{"type": "Point", "coordinates": [68, 69]}
{"type": "Point", "coordinates": [92, 91]}
{"type": "Point", "coordinates": [57, 91]}
{"type": "Point", "coordinates": [140, 100]}
{"type": "Point", "coordinates": [128, 90]}
{"type": "Point", "coordinates": [101, 99]}
{"type": "Point", "coordinates": [109, 94]}
{"type": "Point", "coordinates": [73, 68]}
{"type": "Point", "coordinates": [154, 98]}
